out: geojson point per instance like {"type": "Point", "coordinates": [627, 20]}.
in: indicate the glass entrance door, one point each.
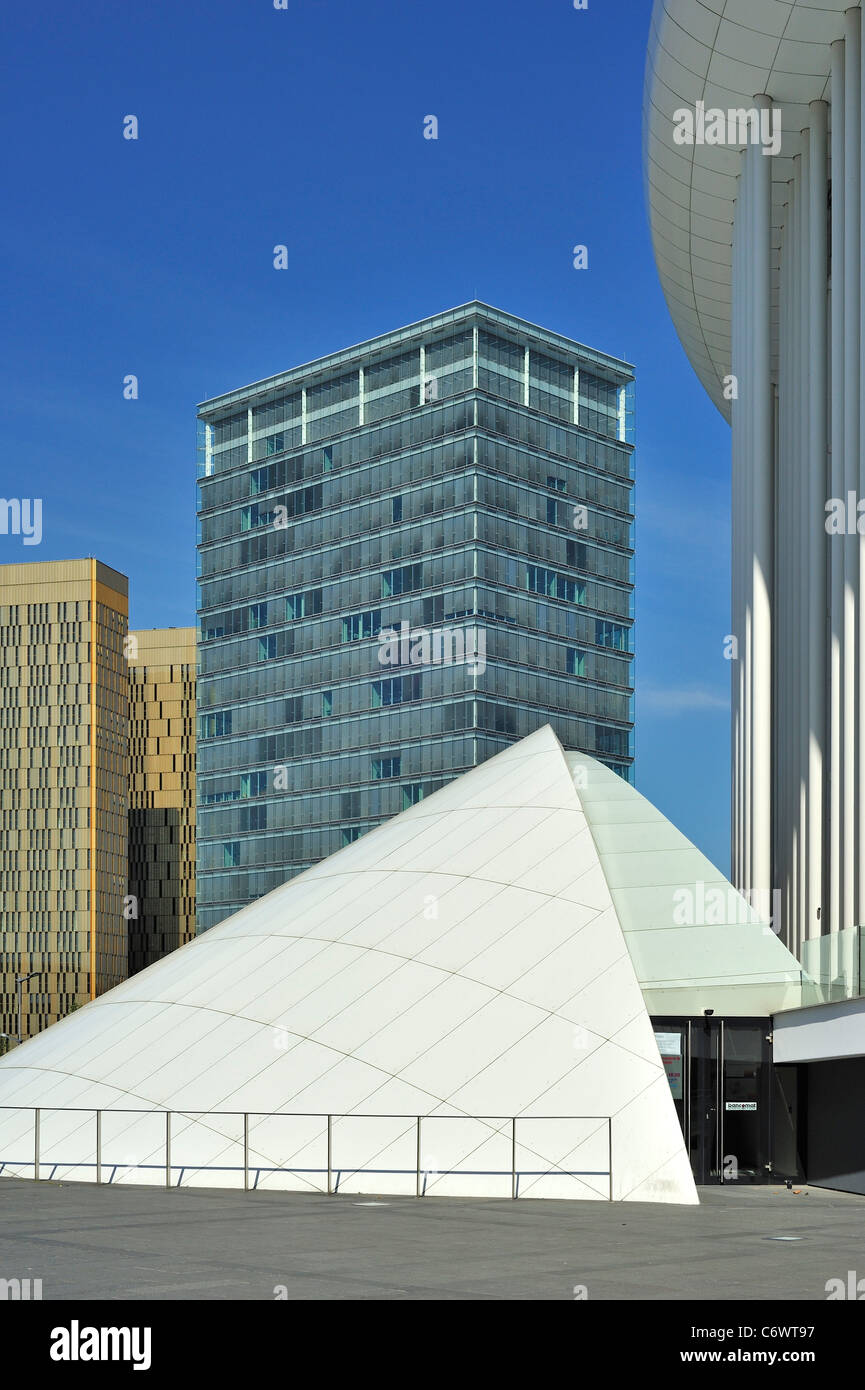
{"type": "Point", "coordinates": [705, 1121]}
{"type": "Point", "coordinates": [720, 1075]}
{"type": "Point", "coordinates": [747, 1096]}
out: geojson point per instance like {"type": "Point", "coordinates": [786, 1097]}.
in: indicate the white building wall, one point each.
{"type": "Point", "coordinates": [765, 227]}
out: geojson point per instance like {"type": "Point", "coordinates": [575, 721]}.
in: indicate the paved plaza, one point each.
{"type": "Point", "coordinates": [85, 1242]}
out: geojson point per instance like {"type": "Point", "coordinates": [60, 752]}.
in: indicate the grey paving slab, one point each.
{"type": "Point", "coordinates": [133, 1243]}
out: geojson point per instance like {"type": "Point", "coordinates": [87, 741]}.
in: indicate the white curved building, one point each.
{"type": "Point", "coordinates": [465, 992]}
{"type": "Point", "coordinates": [760, 259]}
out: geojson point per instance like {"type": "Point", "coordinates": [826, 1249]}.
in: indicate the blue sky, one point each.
{"type": "Point", "coordinates": [304, 127]}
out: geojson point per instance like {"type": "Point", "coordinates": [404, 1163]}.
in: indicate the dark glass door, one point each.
{"type": "Point", "coordinates": [720, 1076]}
{"type": "Point", "coordinates": [704, 1074]}
{"type": "Point", "coordinates": [788, 1133]}
{"type": "Point", "coordinates": [747, 1098]}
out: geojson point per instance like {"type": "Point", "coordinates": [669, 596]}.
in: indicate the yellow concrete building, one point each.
{"type": "Point", "coordinates": [64, 779]}
{"type": "Point", "coordinates": [162, 792]}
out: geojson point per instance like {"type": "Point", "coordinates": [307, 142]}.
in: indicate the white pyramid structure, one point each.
{"type": "Point", "coordinates": [695, 942]}
{"type": "Point", "coordinates": [454, 990]}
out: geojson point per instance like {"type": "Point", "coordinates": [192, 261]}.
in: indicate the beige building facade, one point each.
{"type": "Point", "coordinates": [161, 889]}
{"type": "Point", "coordinates": [64, 779]}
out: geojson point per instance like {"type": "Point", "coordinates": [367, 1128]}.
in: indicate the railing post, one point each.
{"type": "Point", "coordinates": [610, 1151]}
{"type": "Point", "coordinates": [36, 1145]}
{"type": "Point", "coordinates": [98, 1146]}
{"type": "Point", "coordinates": [417, 1181]}
{"type": "Point", "coordinates": [245, 1151]}
{"type": "Point", "coordinates": [514, 1158]}
{"type": "Point", "coordinates": [168, 1148]}
{"type": "Point", "coordinates": [330, 1155]}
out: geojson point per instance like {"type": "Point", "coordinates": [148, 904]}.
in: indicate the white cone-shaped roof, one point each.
{"type": "Point", "coordinates": [695, 942]}
{"type": "Point", "coordinates": [464, 963]}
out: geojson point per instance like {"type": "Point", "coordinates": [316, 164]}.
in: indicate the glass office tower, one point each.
{"type": "Point", "coordinates": [162, 793]}
{"type": "Point", "coordinates": [64, 788]}
{"type": "Point", "coordinates": [412, 552]}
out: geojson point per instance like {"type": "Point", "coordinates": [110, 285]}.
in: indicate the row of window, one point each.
{"type": "Point", "coordinates": [560, 438]}
{"type": "Point", "coordinates": [256, 784]}
{"type": "Point", "coordinates": [454, 529]}
{"type": "Point", "coordinates": [480, 560]}
{"type": "Point", "coordinates": [254, 818]}
{"type": "Point", "coordinates": [451, 462]}
{"type": "Point", "coordinates": [502, 368]}
{"type": "Point", "coordinates": [395, 690]}
{"type": "Point", "coordinates": [411, 467]}
{"type": "Point", "coordinates": [283, 509]}
{"type": "Point", "coordinates": [553, 584]}
{"type": "Point", "coordinates": [495, 718]}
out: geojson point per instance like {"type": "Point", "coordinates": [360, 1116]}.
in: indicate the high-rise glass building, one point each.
{"type": "Point", "coordinates": [412, 552]}
{"type": "Point", "coordinates": [161, 889]}
{"type": "Point", "coordinates": [64, 777]}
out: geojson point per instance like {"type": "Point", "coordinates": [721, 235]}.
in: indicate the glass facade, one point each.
{"type": "Point", "coordinates": [738, 1112]}
{"type": "Point", "coordinates": [64, 787]}
{"type": "Point", "coordinates": [411, 553]}
{"type": "Point", "coordinates": [161, 792]}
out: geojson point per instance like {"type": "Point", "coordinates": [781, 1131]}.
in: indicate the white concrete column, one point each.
{"type": "Point", "coordinates": [783, 629]}
{"type": "Point", "coordinates": [792, 542]}
{"type": "Point", "coordinates": [859, 542]}
{"type": "Point", "coordinates": [791, 803]}
{"type": "Point", "coordinates": [849, 769]}
{"type": "Point", "coordinates": [817, 477]}
{"type": "Point", "coordinates": [735, 568]}
{"type": "Point", "coordinates": [746, 386]}
{"type": "Point", "coordinates": [763, 519]}
{"type": "Point", "coordinates": [787, 879]}
{"type": "Point", "coordinates": [836, 544]}
{"type": "Point", "coordinates": [803, 539]}
{"type": "Point", "coordinates": [778, 710]}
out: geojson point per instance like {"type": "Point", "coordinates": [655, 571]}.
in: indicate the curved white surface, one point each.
{"type": "Point", "coordinates": [465, 960]}
{"type": "Point", "coordinates": [725, 53]}
{"type": "Point", "coordinates": [695, 942]}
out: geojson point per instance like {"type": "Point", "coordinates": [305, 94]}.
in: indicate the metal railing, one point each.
{"type": "Point", "coordinates": [421, 1174]}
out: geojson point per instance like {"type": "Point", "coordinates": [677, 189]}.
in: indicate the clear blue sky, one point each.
{"type": "Point", "coordinates": [304, 127]}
